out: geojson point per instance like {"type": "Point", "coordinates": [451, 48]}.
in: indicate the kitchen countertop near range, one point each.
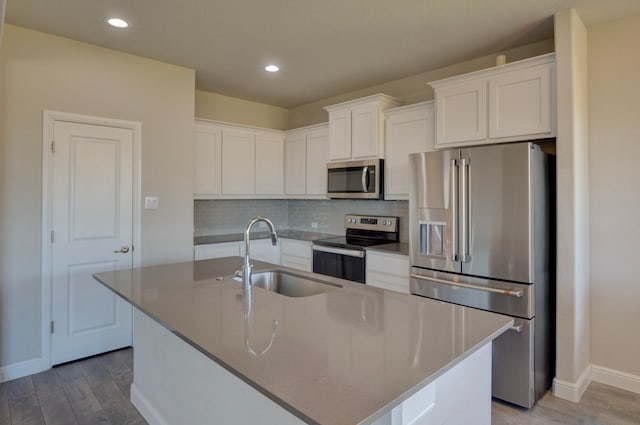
{"type": "Point", "coordinates": [299, 235]}
{"type": "Point", "coordinates": [345, 356]}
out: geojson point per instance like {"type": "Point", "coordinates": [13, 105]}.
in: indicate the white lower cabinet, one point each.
{"type": "Point", "coordinates": [216, 250]}
{"type": "Point", "coordinates": [296, 254]}
{"type": "Point", "coordinates": [263, 250]}
{"type": "Point", "coordinates": [288, 252]}
{"type": "Point", "coordinates": [388, 271]}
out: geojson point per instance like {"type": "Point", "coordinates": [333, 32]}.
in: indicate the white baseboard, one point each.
{"type": "Point", "coordinates": [20, 369]}
{"type": "Point", "coordinates": [616, 378]}
{"type": "Point", "coordinates": [148, 412]}
{"type": "Point", "coordinates": [572, 391]}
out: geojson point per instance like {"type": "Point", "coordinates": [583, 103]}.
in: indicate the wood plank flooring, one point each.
{"type": "Point", "coordinates": [95, 391]}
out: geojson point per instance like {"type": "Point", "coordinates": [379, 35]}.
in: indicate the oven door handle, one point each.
{"type": "Point", "coordinates": [510, 292]}
{"type": "Point", "coordinates": [339, 251]}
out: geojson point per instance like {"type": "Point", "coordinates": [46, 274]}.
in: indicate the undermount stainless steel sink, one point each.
{"type": "Point", "coordinates": [289, 284]}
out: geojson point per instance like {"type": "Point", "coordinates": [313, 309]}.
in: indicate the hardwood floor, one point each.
{"type": "Point", "coordinates": [600, 404]}
{"type": "Point", "coordinates": [95, 391]}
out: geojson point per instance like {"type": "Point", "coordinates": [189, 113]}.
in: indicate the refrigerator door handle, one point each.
{"type": "Point", "coordinates": [465, 256]}
{"type": "Point", "coordinates": [455, 255]}
{"type": "Point", "coordinates": [509, 292]}
{"type": "Point", "coordinates": [516, 328]}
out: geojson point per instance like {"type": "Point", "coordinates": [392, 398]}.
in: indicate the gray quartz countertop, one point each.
{"type": "Point", "coordinates": [400, 248]}
{"type": "Point", "coordinates": [345, 356]}
{"type": "Point", "coordinates": [287, 234]}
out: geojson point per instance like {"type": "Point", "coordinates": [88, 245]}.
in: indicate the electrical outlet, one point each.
{"type": "Point", "coordinates": [314, 224]}
{"type": "Point", "coordinates": [151, 202]}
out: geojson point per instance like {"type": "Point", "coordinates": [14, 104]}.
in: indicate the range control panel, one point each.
{"type": "Point", "coordinates": [371, 222]}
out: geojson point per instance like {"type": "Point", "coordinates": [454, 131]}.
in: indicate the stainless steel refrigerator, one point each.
{"type": "Point", "coordinates": [481, 235]}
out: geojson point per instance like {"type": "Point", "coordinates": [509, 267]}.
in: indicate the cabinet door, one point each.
{"type": "Point", "coordinates": [269, 165]}
{"type": "Point", "coordinates": [520, 102]}
{"type": "Point", "coordinates": [365, 131]}
{"type": "Point", "coordinates": [388, 271]}
{"type": "Point", "coordinates": [262, 250]}
{"type": "Point", "coordinates": [238, 167]}
{"type": "Point", "coordinates": [295, 166]}
{"type": "Point", "coordinates": [207, 165]}
{"type": "Point", "coordinates": [296, 254]}
{"type": "Point", "coordinates": [461, 113]}
{"type": "Point", "coordinates": [317, 158]}
{"type": "Point", "coordinates": [406, 133]}
{"type": "Point", "coordinates": [340, 135]}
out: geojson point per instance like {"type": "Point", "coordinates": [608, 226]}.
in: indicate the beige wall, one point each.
{"type": "Point", "coordinates": [41, 71]}
{"type": "Point", "coordinates": [412, 89]}
{"type": "Point", "coordinates": [572, 274]}
{"type": "Point", "coordinates": [614, 174]}
{"type": "Point", "coordinates": [215, 106]}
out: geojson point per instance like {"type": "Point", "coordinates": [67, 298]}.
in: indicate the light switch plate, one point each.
{"type": "Point", "coordinates": [151, 202]}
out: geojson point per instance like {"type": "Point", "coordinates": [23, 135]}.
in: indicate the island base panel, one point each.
{"type": "Point", "coordinates": [173, 383]}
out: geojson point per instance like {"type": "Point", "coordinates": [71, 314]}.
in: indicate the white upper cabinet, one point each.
{"type": "Point", "coordinates": [208, 161]}
{"type": "Point", "coordinates": [520, 102]}
{"type": "Point", "coordinates": [237, 162]}
{"type": "Point", "coordinates": [295, 153]}
{"type": "Point", "coordinates": [507, 103]}
{"type": "Point", "coordinates": [238, 165]}
{"type": "Point", "coordinates": [409, 129]}
{"type": "Point", "coordinates": [270, 164]}
{"type": "Point", "coordinates": [356, 127]}
{"type": "Point", "coordinates": [306, 156]}
{"type": "Point", "coordinates": [462, 113]}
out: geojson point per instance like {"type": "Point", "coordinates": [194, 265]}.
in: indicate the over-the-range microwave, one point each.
{"type": "Point", "coordinates": [355, 179]}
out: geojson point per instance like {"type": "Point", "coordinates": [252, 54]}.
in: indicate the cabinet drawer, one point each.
{"type": "Point", "coordinates": [216, 250]}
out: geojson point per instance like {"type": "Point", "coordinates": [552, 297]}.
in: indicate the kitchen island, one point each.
{"type": "Point", "coordinates": [351, 355]}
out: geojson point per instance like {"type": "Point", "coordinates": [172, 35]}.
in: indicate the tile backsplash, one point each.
{"type": "Point", "coordinates": [231, 216]}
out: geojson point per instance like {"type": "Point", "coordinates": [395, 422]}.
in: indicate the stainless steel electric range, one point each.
{"type": "Point", "coordinates": [345, 256]}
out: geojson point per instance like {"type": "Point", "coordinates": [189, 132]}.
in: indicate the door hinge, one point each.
{"type": "Point", "coordinates": [53, 237]}
{"type": "Point", "coordinates": [53, 146]}
{"type": "Point", "coordinates": [52, 326]}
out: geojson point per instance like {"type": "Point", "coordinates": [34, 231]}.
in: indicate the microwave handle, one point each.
{"type": "Point", "coordinates": [365, 179]}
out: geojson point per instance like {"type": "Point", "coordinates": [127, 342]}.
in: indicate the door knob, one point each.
{"type": "Point", "coordinates": [122, 250]}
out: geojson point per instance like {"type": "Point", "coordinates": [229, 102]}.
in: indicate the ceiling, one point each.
{"type": "Point", "coordinates": [323, 47]}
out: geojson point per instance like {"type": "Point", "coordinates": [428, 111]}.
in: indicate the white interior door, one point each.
{"type": "Point", "coordinates": [92, 216]}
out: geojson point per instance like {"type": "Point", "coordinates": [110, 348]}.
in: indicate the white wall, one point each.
{"type": "Point", "coordinates": [572, 273]}
{"type": "Point", "coordinates": [40, 71]}
{"type": "Point", "coordinates": [614, 175]}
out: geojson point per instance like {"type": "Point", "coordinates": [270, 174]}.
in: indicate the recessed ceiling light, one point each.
{"type": "Point", "coordinates": [117, 22]}
{"type": "Point", "coordinates": [271, 68]}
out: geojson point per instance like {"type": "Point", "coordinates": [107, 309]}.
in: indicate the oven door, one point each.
{"type": "Point", "coordinates": [338, 262]}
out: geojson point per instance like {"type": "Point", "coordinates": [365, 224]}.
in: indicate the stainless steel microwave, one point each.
{"type": "Point", "coordinates": [355, 179]}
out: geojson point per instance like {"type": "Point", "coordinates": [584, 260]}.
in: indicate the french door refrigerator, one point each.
{"type": "Point", "coordinates": [481, 235]}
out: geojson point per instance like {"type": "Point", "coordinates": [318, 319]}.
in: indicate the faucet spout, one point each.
{"type": "Point", "coordinates": [246, 268]}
